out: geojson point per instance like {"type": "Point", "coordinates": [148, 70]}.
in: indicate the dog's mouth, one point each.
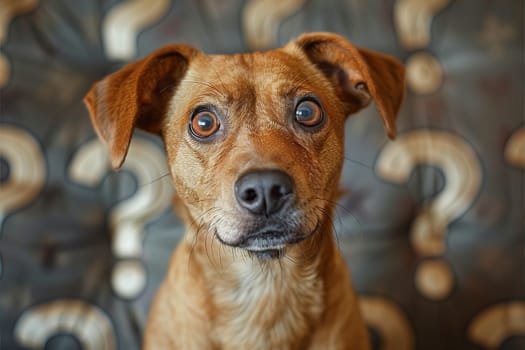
{"type": "Point", "coordinates": [270, 243]}
{"type": "Point", "coordinates": [266, 244]}
{"type": "Point", "coordinates": [268, 239]}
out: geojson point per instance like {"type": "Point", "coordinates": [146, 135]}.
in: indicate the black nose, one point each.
{"type": "Point", "coordinates": [264, 192]}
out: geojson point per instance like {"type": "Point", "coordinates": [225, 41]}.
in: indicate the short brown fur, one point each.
{"type": "Point", "coordinates": [218, 294]}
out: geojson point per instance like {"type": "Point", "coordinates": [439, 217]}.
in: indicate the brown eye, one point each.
{"type": "Point", "coordinates": [309, 113]}
{"type": "Point", "coordinates": [204, 124]}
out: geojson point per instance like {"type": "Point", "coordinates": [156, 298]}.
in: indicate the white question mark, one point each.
{"type": "Point", "coordinates": [123, 23]}
{"type": "Point", "coordinates": [86, 322]}
{"type": "Point", "coordinates": [462, 172]}
{"type": "Point", "coordinates": [498, 322]}
{"type": "Point", "coordinates": [8, 10]}
{"type": "Point", "coordinates": [261, 19]}
{"type": "Point", "coordinates": [128, 218]}
{"type": "Point", "coordinates": [515, 149]}
{"type": "Point", "coordinates": [413, 19]}
{"type": "Point", "coordinates": [390, 321]}
{"type": "Point", "coordinates": [27, 170]}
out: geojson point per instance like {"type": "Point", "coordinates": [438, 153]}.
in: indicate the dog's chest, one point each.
{"type": "Point", "coordinates": [268, 308]}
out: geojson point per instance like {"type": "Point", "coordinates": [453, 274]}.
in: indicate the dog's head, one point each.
{"type": "Point", "coordinates": [254, 141]}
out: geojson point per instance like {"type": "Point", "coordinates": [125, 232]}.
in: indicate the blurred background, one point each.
{"type": "Point", "coordinates": [432, 225]}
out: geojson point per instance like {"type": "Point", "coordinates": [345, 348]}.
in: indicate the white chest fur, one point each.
{"type": "Point", "coordinates": [271, 305]}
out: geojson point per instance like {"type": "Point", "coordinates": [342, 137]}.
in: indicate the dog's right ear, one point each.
{"type": "Point", "coordinates": [136, 96]}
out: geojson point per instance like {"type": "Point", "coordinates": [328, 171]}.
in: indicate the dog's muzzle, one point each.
{"type": "Point", "coordinates": [266, 196]}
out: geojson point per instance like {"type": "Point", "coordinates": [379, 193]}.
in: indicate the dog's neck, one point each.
{"type": "Point", "coordinates": [266, 299]}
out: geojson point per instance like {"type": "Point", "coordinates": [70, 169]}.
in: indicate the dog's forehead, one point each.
{"type": "Point", "coordinates": [271, 70]}
{"type": "Point", "coordinates": [271, 62]}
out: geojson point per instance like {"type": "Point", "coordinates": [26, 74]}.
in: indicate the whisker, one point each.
{"type": "Point", "coordinates": [327, 214]}
{"type": "Point", "coordinates": [153, 181]}
{"type": "Point", "coordinates": [313, 239]}
{"type": "Point", "coordinates": [318, 240]}
{"type": "Point", "coordinates": [214, 244]}
{"type": "Point", "coordinates": [166, 88]}
{"type": "Point", "coordinates": [349, 212]}
{"type": "Point", "coordinates": [358, 162]}
{"type": "Point", "coordinates": [211, 238]}
{"type": "Point", "coordinates": [207, 248]}
{"type": "Point", "coordinates": [340, 206]}
{"type": "Point", "coordinates": [194, 243]}
{"type": "Point", "coordinates": [199, 228]}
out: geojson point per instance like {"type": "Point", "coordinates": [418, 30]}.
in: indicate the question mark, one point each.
{"type": "Point", "coordinates": [413, 19]}
{"type": "Point", "coordinates": [10, 9]}
{"type": "Point", "coordinates": [123, 23]}
{"type": "Point", "coordinates": [389, 320]}
{"type": "Point", "coordinates": [498, 322]}
{"type": "Point", "coordinates": [27, 170]}
{"type": "Point", "coordinates": [462, 172]}
{"type": "Point", "coordinates": [86, 322]}
{"type": "Point", "coordinates": [515, 149]}
{"type": "Point", "coordinates": [127, 219]}
{"type": "Point", "coordinates": [261, 19]}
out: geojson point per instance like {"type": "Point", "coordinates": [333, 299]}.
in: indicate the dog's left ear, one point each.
{"type": "Point", "coordinates": [358, 75]}
{"type": "Point", "coordinates": [136, 96]}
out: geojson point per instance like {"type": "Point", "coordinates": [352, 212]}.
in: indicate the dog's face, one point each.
{"type": "Point", "coordinates": [255, 145]}
{"type": "Point", "coordinates": [254, 141]}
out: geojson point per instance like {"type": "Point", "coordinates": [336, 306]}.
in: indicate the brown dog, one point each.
{"type": "Point", "coordinates": [255, 149]}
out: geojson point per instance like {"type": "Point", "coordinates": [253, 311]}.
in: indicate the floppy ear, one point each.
{"type": "Point", "coordinates": [136, 95]}
{"type": "Point", "coordinates": [358, 75]}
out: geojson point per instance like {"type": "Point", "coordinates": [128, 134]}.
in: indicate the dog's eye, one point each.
{"type": "Point", "coordinates": [309, 113]}
{"type": "Point", "coordinates": [204, 124]}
